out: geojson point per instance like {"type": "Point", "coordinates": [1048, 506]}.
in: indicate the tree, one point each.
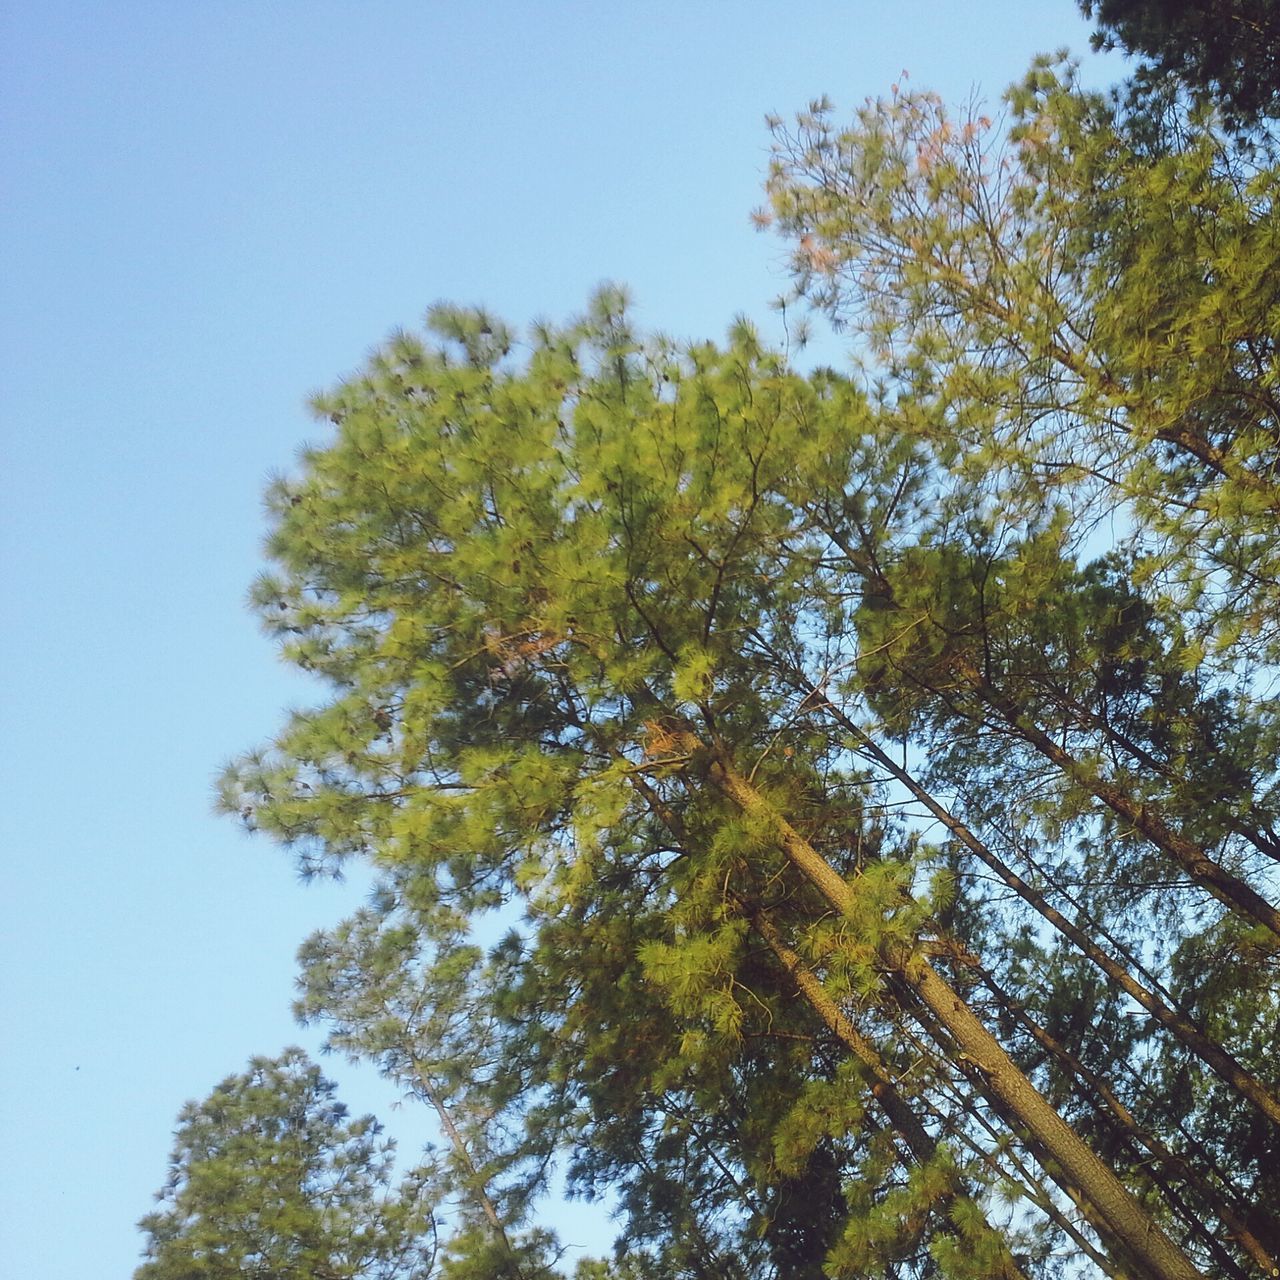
{"type": "Point", "coordinates": [836, 816]}
{"type": "Point", "coordinates": [421, 1019]}
{"type": "Point", "coordinates": [1080, 323]}
{"type": "Point", "coordinates": [1228, 52]}
{"type": "Point", "coordinates": [623, 640]}
{"type": "Point", "coordinates": [269, 1178]}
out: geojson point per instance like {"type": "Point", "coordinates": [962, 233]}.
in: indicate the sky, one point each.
{"type": "Point", "coordinates": [209, 211]}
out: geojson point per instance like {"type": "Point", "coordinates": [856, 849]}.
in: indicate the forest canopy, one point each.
{"type": "Point", "coordinates": [832, 814]}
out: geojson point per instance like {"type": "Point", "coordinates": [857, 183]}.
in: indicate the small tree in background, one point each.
{"type": "Point", "coordinates": [269, 1177]}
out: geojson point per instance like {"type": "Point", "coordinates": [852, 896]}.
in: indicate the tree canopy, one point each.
{"type": "Point", "coordinates": [834, 814]}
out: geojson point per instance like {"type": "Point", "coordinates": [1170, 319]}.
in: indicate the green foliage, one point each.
{"type": "Point", "coordinates": [513, 733]}
{"type": "Point", "coordinates": [399, 986]}
{"type": "Point", "coordinates": [268, 1177]}
{"type": "Point", "coordinates": [1224, 52]}
{"type": "Point", "coordinates": [703, 720]}
{"type": "Point", "coordinates": [1075, 316]}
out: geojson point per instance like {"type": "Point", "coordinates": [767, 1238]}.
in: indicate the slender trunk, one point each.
{"type": "Point", "coordinates": [1029, 1183]}
{"type": "Point", "coordinates": [1251, 824]}
{"type": "Point", "coordinates": [883, 1087]}
{"type": "Point", "coordinates": [1113, 1210]}
{"type": "Point", "coordinates": [964, 1065]}
{"type": "Point", "coordinates": [1230, 890]}
{"type": "Point", "coordinates": [1035, 1190]}
{"type": "Point", "coordinates": [1219, 1201]}
{"type": "Point", "coordinates": [1212, 1054]}
{"type": "Point", "coordinates": [475, 1182]}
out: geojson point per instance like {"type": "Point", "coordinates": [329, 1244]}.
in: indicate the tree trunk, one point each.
{"type": "Point", "coordinates": [1212, 1054]}
{"type": "Point", "coordinates": [1115, 1212]}
{"type": "Point", "coordinates": [883, 1088]}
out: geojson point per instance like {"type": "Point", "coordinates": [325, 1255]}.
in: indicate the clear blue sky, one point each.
{"type": "Point", "coordinates": [210, 209]}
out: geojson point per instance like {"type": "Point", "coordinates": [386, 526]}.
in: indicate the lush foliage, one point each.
{"type": "Point", "coordinates": [270, 1178]}
{"type": "Point", "coordinates": [835, 816]}
{"type": "Point", "coordinates": [1083, 320]}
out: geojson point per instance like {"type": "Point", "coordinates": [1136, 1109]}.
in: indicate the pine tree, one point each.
{"type": "Point", "coordinates": [1224, 52]}
{"type": "Point", "coordinates": [652, 654]}
{"type": "Point", "coordinates": [389, 996]}
{"type": "Point", "coordinates": [1077, 322]}
{"type": "Point", "coordinates": [268, 1177]}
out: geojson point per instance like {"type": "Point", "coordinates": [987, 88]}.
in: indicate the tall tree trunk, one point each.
{"type": "Point", "coordinates": [476, 1187]}
{"type": "Point", "coordinates": [1167, 1163]}
{"type": "Point", "coordinates": [1113, 1210]}
{"type": "Point", "coordinates": [883, 1088]}
{"type": "Point", "coordinates": [1209, 1051]}
{"type": "Point", "coordinates": [1230, 890]}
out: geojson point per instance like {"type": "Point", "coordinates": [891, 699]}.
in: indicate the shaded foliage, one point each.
{"type": "Point", "coordinates": [1229, 52]}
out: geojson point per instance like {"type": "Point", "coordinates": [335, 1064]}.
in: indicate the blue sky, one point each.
{"type": "Point", "coordinates": [210, 210]}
